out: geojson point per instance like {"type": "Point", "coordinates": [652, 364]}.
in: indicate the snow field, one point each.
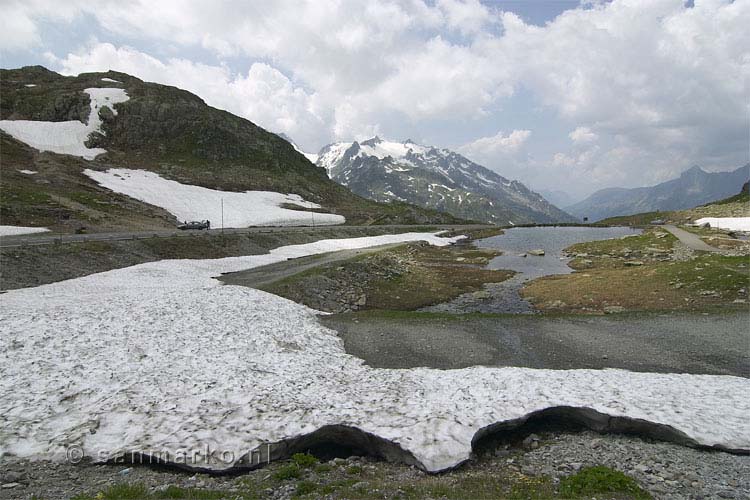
{"type": "Point", "coordinates": [161, 356]}
{"type": "Point", "coordinates": [67, 137]}
{"type": "Point", "coordinates": [16, 230]}
{"type": "Point", "coordinates": [188, 202]}
{"type": "Point", "coordinates": [730, 223]}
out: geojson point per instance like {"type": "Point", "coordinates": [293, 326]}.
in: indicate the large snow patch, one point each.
{"type": "Point", "coordinates": [69, 137]}
{"type": "Point", "coordinates": [161, 358]}
{"type": "Point", "coordinates": [16, 230]}
{"type": "Point", "coordinates": [188, 202]}
{"type": "Point", "coordinates": [731, 223]}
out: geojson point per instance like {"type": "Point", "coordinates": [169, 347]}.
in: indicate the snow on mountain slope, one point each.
{"type": "Point", "coordinates": [434, 178]}
{"type": "Point", "coordinates": [330, 156]}
{"type": "Point", "coordinates": [730, 223]}
{"type": "Point", "coordinates": [198, 364]}
{"type": "Point", "coordinates": [16, 230]}
{"type": "Point", "coordinates": [67, 137]}
{"type": "Point", "coordinates": [186, 202]}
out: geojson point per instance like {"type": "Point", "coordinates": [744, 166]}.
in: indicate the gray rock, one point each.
{"type": "Point", "coordinates": [613, 309]}
{"type": "Point", "coordinates": [12, 477]}
{"type": "Point", "coordinates": [595, 443]}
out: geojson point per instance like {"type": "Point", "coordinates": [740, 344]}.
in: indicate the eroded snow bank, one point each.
{"type": "Point", "coordinates": [16, 230]}
{"type": "Point", "coordinates": [188, 202]}
{"type": "Point", "coordinates": [161, 357]}
{"type": "Point", "coordinates": [730, 223]}
{"type": "Point", "coordinates": [67, 137]}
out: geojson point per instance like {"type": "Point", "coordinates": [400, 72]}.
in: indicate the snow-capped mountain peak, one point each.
{"type": "Point", "coordinates": [437, 178]}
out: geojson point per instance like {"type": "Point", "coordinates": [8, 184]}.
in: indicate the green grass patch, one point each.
{"type": "Point", "coordinates": [189, 494]}
{"type": "Point", "coordinates": [124, 491]}
{"type": "Point", "coordinates": [286, 472]}
{"type": "Point", "coordinates": [599, 480]}
{"type": "Point", "coordinates": [323, 468]}
{"type": "Point", "coordinates": [305, 488]}
{"type": "Point", "coordinates": [707, 282]}
{"type": "Point", "coordinates": [304, 460]}
{"type": "Point", "coordinates": [711, 272]}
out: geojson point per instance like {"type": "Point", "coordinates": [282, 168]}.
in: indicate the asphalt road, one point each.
{"type": "Point", "coordinates": [51, 238]}
{"type": "Point", "coordinates": [691, 240]}
{"type": "Point", "coordinates": [716, 344]}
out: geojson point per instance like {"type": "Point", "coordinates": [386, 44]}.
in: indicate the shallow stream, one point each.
{"type": "Point", "coordinates": [516, 244]}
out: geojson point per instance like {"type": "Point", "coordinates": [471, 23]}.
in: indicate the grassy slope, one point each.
{"type": "Point", "coordinates": [605, 279]}
{"type": "Point", "coordinates": [162, 129]}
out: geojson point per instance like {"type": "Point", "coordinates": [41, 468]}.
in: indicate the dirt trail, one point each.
{"type": "Point", "coordinates": [691, 240]}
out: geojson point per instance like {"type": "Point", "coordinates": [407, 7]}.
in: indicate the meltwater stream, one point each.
{"type": "Point", "coordinates": [515, 244]}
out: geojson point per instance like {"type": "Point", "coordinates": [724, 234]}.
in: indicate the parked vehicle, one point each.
{"type": "Point", "coordinates": [195, 224]}
{"type": "Point", "coordinates": [657, 222]}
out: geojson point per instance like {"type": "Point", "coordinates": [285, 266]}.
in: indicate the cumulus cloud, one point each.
{"type": "Point", "coordinates": [660, 86]}
{"type": "Point", "coordinates": [467, 17]}
{"type": "Point", "coordinates": [583, 135]}
{"type": "Point", "coordinates": [497, 144]}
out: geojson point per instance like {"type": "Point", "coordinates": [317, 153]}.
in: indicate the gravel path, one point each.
{"type": "Point", "coordinates": [653, 342]}
{"type": "Point", "coordinates": [691, 240]}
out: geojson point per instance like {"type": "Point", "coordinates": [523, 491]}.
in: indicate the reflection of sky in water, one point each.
{"type": "Point", "coordinates": [551, 239]}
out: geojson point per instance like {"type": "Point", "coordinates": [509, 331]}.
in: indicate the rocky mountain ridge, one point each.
{"type": "Point", "coordinates": [441, 179]}
{"type": "Point", "coordinates": [694, 187]}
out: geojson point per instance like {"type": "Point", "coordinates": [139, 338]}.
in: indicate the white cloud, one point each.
{"type": "Point", "coordinates": [583, 135]}
{"type": "Point", "coordinates": [498, 144]}
{"type": "Point", "coordinates": [467, 17]}
{"type": "Point", "coordinates": [17, 29]}
{"type": "Point", "coordinates": [658, 85]}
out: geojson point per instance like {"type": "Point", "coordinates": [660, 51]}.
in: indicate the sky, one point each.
{"type": "Point", "coordinates": [569, 96]}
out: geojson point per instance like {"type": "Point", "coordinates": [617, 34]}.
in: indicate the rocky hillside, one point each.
{"type": "Point", "coordinates": [694, 187]}
{"type": "Point", "coordinates": [158, 128]}
{"type": "Point", "coordinates": [435, 178]}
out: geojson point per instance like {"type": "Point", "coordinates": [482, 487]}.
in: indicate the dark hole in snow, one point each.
{"type": "Point", "coordinates": [340, 441]}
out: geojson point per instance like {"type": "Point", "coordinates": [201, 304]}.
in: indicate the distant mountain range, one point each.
{"type": "Point", "coordinates": [434, 178]}
{"type": "Point", "coordinates": [558, 198]}
{"type": "Point", "coordinates": [694, 187]}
